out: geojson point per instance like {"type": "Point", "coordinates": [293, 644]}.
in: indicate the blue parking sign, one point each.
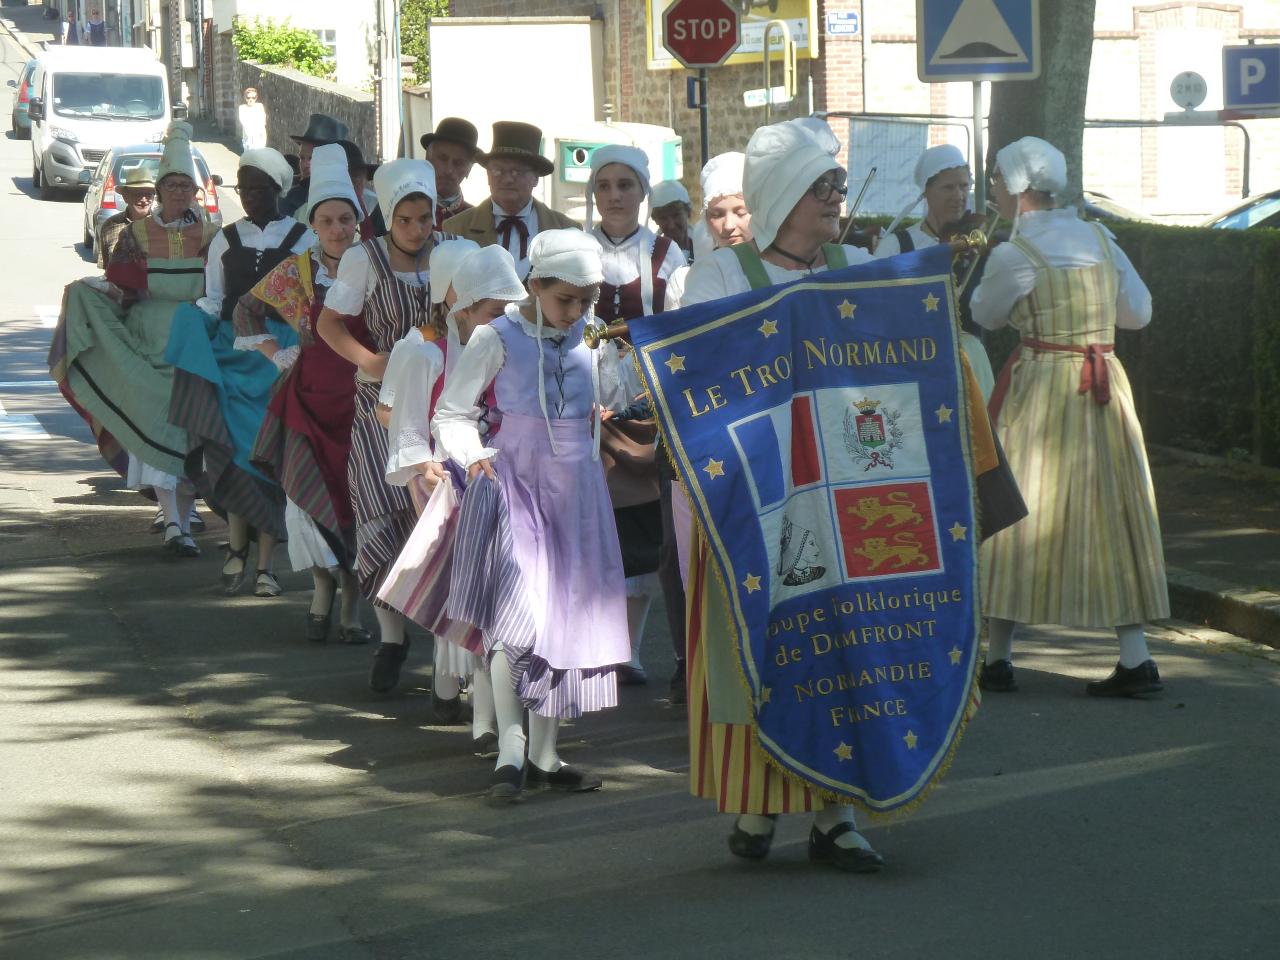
{"type": "Point", "coordinates": [1251, 77]}
{"type": "Point", "coordinates": [977, 40]}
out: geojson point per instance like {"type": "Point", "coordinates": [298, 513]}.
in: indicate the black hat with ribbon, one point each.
{"type": "Point", "coordinates": [322, 128]}
{"type": "Point", "coordinates": [513, 140]}
{"type": "Point", "coordinates": [455, 130]}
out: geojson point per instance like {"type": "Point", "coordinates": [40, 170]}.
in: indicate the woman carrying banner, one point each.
{"type": "Point", "coordinates": [942, 174]}
{"type": "Point", "coordinates": [1090, 554]}
{"type": "Point", "coordinates": [385, 281]}
{"type": "Point", "coordinates": [305, 438]}
{"type": "Point", "coordinates": [637, 265]}
{"type": "Point", "coordinates": [536, 563]}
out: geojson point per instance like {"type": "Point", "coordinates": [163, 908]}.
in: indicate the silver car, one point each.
{"type": "Point", "coordinates": [102, 201]}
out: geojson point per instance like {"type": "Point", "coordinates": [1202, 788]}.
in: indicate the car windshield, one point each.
{"type": "Point", "coordinates": [1246, 217]}
{"type": "Point", "coordinates": [151, 164]}
{"type": "Point", "coordinates": [108, 95]}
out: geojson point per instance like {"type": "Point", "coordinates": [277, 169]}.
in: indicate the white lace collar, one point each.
{"type": "Point", "coordinates": [548, 331]}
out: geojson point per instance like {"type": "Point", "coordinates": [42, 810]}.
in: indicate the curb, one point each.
{"type": "Point", "coordinates": [1252, 614]}
{"type": "Point", "coordinates": [19, 38]}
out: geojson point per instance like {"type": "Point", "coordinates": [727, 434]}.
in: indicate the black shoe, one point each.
{"type": "Point", "coordinates": [445, 711]}
{"type": "Point", "coordinates": [504, 785]}
{"type": "Point", "coordinates": [998, 677]}
{"type": "Point", "coordinates": [387, 660]}
{"type": "Point", "coordinates": [629, 676]}
{"type": "Point", "coordinates": [566, 780]}
{"type": "Point", "coordinates": [317, 629]}
{"type": "Point", "coordinates": [232, 582]}
{"type": "Point", "coordinates": [679, 685]}
{"type": "Point", "coordinates": [485, 746]}
{"type": "Point", "coordinates": [824, 849]}
{"type": "Point", "coordinates": [751, 846]}
{"type": "Point", "coordinates": [356, 635]}
{"type": "Point", "coordinates": [1140, 681]}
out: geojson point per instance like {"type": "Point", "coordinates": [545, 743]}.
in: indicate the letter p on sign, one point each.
{"type": "Point", "coordinates": [1252, 70]}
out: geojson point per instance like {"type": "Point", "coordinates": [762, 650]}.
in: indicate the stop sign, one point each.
{"type": "Point", "coordinates": [701, 33]}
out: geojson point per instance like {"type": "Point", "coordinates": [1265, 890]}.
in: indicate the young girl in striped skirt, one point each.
{"type": "Point", "coordinates": [536, 566]}
{"type": "Point", "coordinates": [386, 279]}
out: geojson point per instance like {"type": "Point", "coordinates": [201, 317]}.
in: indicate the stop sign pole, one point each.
{"type": "Point", "coordinates": [701, 34]}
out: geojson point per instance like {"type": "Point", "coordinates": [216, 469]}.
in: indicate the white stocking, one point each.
{"type": "Point", "coordinates": [830, 817]}
{"type": "Point", "coordinates": [509, 711]}
{"type": "Point", "coordinates": [755, 824]}
{"type": "Point", "coordinates": [483, 719]}
{"type": "Point", "coordinates": [443, 681]}
{"type": "Point", "coordinates": [1133, 645]}
{"type": "Point", "coordinates": [999, 639]}
{"type": "Point", "coordinates": [543, 734]}
{"type": "Point", "coordinates": [168, 500]}
{"type": "Point", "coordinates": [186, 501]}
{"type": "Point", "coordinates": [390, 625]}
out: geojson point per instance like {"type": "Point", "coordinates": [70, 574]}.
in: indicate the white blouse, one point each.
{"type": "Point", "coordinates": [254, 238]}
{"type": "Point", "coordinates": [719, 274]}
{"type": "Point", "coordinates": [357, 279]}
{"type": "Point", "coordinates": [622, 262]}
{"type": "Point", "coordinates": [889, 245]}
{"type": "Point", "coordinates": [412, 370]}
{"type": "Point", "coordinates": [1065, 241]}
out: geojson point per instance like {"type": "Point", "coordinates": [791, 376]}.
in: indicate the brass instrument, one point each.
{"type": "Point", "coordinates": [986, 231]}
{"type": "Point", "coordinates": [973, 242]}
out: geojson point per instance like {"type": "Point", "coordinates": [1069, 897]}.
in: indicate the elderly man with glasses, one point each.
{"type": "Point", "coordinates": [510, 216]}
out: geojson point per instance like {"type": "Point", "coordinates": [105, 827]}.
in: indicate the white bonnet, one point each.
{"type": "Point", "coordinates": [722, 177]}
{"type": "Point", "coordinates": [271, 162]}
{"type": "Point", "coordinates": [783, 160]}
{"type": "Point", "coordinates": [1032, 164]}
{"type": "Point", "coordinates": [569, 255]}
{"type": "Point", "coordinates": [487, 274]}
{"type": "Point", "coordinates": [397, 179]}
{"type": "Point", "coordinates": [446, 256]}
{"type": "Point", "coordinates": [668, 192]}
{"type": "Point", "coordinates": [937, 159]}
{"type": "Point", "coordinates": [632, 157]}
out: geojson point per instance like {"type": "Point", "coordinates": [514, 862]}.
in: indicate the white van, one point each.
{"type": "Point", "coordinates": [86, 100]}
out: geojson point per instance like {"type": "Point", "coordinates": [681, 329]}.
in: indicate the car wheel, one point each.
{"type": "Point", "coordinates": [47, 190]}
{"type": "Point", "coordinates": [23, 133]}
{"type": "Point", "coordinates": [88, 241]}
{"type": "Point", "coordinates": [35, 174]}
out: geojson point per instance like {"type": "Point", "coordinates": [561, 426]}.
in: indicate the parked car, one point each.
{"type": "Point", "coordinates": [101, 201]}
{"type": "Point", "coordinates": [1098, 206]}
{"type": "Point", "coordinates": [86, 100]}
{"type": "Point", "coordinates": [19, 121]}
{"type": "Point", "coordinates": [1262, 210]}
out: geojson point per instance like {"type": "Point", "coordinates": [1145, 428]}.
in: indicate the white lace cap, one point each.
{"type": "Point", "coordinates": [271, 162]}
{"type": "Point", "coordinates": [487, 274]}
{"type": "Point", "coordinates": [397, 179]}
{"type": "Point", "coordinates": [783, 160]}
{"type": "Point", "coordinates": [445, 258]}
{"type": "Point", "coordinates": [1032, 164]}
{"type": "Point", "coordinates": [330, 180]}
{"type": "Point", "coordinates": [569, 255]}
{"type": "Point", "coordinates": [933, 161]}
{"type": "Point", "coordinates": [722, 177]}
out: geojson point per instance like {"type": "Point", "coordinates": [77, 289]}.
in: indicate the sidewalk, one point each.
{"type": "Point", "coordinates": [28, 27]}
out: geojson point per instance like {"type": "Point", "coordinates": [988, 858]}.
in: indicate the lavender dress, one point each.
{"type": "Point", "coordinates": [536, 560]}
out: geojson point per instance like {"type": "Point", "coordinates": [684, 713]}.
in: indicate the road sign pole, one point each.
{"type": "Point", "coordinates": [703, 118]}
{"type": "Point", "coordinates": [979, 153]}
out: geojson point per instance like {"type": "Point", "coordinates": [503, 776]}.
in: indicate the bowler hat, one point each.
{"type": "Point", "coordinates": [455, 130]}
{"type": "Point", "coordinates": [518, 141]}
{"type": "Point", "coordinates": [321, 129]}
{"type": "Point", "coordinates": [355, 158]}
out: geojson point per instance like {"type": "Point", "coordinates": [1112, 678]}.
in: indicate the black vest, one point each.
{"type": "Point", "coordinates": [243, 267]}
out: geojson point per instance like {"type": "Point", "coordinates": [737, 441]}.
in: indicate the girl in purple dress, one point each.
{"type": "Point", "coordinates": [536, 564]}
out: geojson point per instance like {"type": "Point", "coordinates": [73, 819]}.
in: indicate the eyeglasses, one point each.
{"type": "Point", "coordinates": [509, 173]}
{"type": "Point", "coordinates": [178, 187]}
{"type": "Point", "coordinates": [241, 191]}
{"type": "Point", "coordinates": [823, 189]}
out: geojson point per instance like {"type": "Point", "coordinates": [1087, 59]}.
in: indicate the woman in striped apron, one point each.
{"type": "Point", "coordinates": [1090, 553]}
{"type": "Point", "coordinates": [386, 280]}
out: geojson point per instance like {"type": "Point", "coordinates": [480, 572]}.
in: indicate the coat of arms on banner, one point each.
{"type": "Point", "coordinates": [872, 434]}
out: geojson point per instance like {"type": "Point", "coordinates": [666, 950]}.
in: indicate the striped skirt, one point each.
{"type": "Point", "coordinates": [384, 514]}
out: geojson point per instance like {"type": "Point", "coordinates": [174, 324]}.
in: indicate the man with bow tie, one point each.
{"type": "Point", "coordinates": [511, 217]}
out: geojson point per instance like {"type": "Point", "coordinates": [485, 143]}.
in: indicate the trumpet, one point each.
{"type": "Point", "coordinates": [973, 242]}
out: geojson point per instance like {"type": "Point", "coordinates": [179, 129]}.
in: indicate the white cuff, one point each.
{"type": "Point", "coordinates": [251, 343]}
{"type": "Point", "coordinates": [404, 459]}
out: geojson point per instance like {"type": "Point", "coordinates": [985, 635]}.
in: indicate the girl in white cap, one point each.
{"type": "Point", "coordinates": [636, 265]}
{"type": "Point", "coordinates": [387, 281]}
{"type": "Point", "coordinates": [479, 283]}
{"type": "Point", "coordinates": [942, 174]}
{"type": "Point", "coordinates": [536, 563]}
{"type": "Point", "coordinates": [221, 389]}
{"type": "Point", "coordinates": [305, 438]}
{"type": "Point", "coordinates": [108, 351]}
{"type": "Point", "coordinates": [1090, 554]}
{"type": "Point", "coordinates": [670, 209]}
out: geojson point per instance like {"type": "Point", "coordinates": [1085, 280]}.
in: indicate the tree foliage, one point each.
{"type": "Point", "coordinates": [414, 17]}
{"type": "Point", "coordinates": [281, 44]}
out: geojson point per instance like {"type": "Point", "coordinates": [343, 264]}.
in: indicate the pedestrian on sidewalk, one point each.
{"type": "Point", "coordinates": [71, 31]}
{"type": "Point", "coordinates": [386, 281]}
{"type": "Point", "coordinates": [305, 438]}
{"type": "Point", "coordinates": [536, 563]}
{"type": "Point", "coordinates": [97, 28]}
{"type": "Point", "coordinates": [1090, 552]}
{"type": "Point", "coordinates": [221, 389]}
{"type": "Point", "coordinates": [253, 121]}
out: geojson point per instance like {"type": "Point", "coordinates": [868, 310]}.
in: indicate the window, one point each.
{"type": "Point", "coordinates": [330, 39]}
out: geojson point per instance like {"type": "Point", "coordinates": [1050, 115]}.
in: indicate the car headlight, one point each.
{"type": "Point", "coordinates": [63, 134]}
{"type": "Point", "coordinates": [156, 137]}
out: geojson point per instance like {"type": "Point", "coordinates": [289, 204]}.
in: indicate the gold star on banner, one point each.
{"type": "Point", "coordinates": [765, 694]}
{"type": "Point", "coordinates": [846, 309]}
{"type": "Point", "coordinates": [675, 363]}
{"type": "Point", "coordinates": [769, 327]}
{"type": "Point", "coordinates": [957, 532]}
{"type": "Point", "coordinates": [714, 468]}
{"type": "Point", "coordinates": [930, 303]}
{"type": "Point", "coordinates": [943, 413]}
{"type": "Point", "coordinates": [844, 751]}
{"type": "Point", "coordinates": [911, 740]}
{"type": "Point", "coordinates": [752, 583]}
{"type": "Point", "coordinates": [955, 656]}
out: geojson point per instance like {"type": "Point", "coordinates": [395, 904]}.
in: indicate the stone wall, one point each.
{"type": "Point", "coordinates": [291, 97]}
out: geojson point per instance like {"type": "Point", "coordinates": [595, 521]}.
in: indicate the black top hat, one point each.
{"type": "Point", "coordinates": [518, 141]}
{"type": "Point", "coordinates": [321, 129]}
{"type": "Point", "coordinates": [455, 130]}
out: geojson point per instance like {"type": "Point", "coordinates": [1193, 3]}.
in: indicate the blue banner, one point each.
{"type": "Point", "coordinates": [821, 429]}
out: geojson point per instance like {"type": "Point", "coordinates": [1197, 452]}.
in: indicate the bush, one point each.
{"type": "Point", "coordinates": [415, 16]}
{"type": "Point", "coordinates": [281, 44]}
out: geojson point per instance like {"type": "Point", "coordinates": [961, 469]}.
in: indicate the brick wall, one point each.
{"type": "Point", "coordinates": [291, 97]}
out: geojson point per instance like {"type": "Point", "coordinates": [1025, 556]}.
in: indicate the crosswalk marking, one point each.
{"type": "Point", "coordinates": [20, 384]}
{"type": "Point", "coordinates": [48, 314]}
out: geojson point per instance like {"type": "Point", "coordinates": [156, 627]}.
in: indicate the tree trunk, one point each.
{"type": "Point", "coordinates": [1051, 107]}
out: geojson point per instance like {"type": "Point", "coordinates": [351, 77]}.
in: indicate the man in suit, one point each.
{"type": "Point", "coordinates": [320, 130]}
{"type": "Point", "coordinates": [511, 216]}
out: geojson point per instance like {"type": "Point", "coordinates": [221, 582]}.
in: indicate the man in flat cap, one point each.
{"type": "Point", "coordinates": [510, 216]}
